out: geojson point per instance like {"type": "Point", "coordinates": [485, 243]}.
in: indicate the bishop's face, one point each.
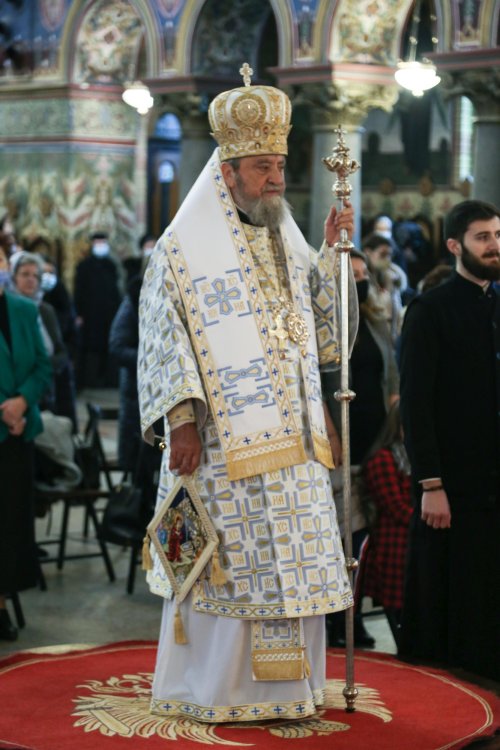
{"type": "Point", "coordinates": [479, 251]}
{"type": "Point", "coordinates": [258, 186]}
{"type": "Point", "coordinates": [259, 177]}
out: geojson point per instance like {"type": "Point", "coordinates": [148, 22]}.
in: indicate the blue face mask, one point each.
{"type": "Point", "coordinates": [4, 278]}
{"type": "Point", "coordinates": [48, 282]}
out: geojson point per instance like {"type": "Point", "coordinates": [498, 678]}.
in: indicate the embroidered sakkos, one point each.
{"type": "Point", "coordinates": [207, 334]}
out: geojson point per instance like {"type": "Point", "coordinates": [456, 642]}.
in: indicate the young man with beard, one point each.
{"type": "Point", "coordinates": [236, 316]}
{"type": "Point", "coordinates": [450, 405]}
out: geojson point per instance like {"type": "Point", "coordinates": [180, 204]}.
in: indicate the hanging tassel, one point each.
{"type": "Point", "coordinates": [147, 562]}
{"type": "Point", "coordinates": [307, 666]}
{"type": "Point", "coordinates": [179, 632]}
{"type": "Point", "coordinates": [217, 575]}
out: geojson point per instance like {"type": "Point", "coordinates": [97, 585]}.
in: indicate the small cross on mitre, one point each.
{"type": "Point", "coordinates": [246, 71]}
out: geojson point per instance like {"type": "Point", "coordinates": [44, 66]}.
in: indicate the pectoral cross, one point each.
{"type": "Point", "coordinates": [280, 333]}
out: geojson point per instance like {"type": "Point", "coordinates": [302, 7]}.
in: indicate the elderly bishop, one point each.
{"type": "Point", "coordinates": [237, 315]}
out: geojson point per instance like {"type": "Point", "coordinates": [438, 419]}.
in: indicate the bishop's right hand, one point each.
{"type": "Point", "coordinates": [185, 449]}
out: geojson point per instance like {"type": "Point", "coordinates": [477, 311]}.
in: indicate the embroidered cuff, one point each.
{"type": "Point", "coordinates": [180, 414]}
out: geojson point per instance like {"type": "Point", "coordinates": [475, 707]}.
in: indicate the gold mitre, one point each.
{"type": "Point", "coordinates": [250, 120]}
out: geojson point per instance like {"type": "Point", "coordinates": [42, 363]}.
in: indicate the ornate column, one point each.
{"type": "Point", "coordinates": [140, 171]}
{"type": "Point", "coordinates": [482, 87]}
{"type": "Point", "coordinates": [197, 143]}
{"type": "Point", "coordinates": [345, 103]}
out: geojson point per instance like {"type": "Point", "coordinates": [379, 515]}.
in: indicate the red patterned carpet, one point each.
{"type": "Point", "coordinates": [97, 699]}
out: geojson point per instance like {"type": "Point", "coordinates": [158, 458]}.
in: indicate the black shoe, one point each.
{"type": "Point", "coordinates": [337, 642]}
{"type": "Point", "coordinates": [362, 638]}
{"type": "Point", "coordinates": [335, 630]}
{"type": "Point", "coordinates": [7, 630]}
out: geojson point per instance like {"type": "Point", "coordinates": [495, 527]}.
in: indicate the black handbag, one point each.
{"type": "Point", "coordinates": [124, 521]}
{"type": "Point", "coordinates": [126, 516]}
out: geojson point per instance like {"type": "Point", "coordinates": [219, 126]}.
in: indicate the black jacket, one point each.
{"type": "Point", "coordinates": [123, 344]}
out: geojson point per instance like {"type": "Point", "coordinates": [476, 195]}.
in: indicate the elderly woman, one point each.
{"type": "Point", "coordinates": [27, 274]}
{"type": "Point", "coordinates": [25, 375]}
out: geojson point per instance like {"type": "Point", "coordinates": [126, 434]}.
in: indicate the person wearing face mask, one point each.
{"type": "Point", "coordinates": [97, 297]}
{"type": "Point", "coordinates": [56, 294]}
{"type": "Point", "coordinates": [374, 379]}
{"type": "Point", "coordinates": [383, 226]}
{"type": "Point", "coordinates": [123, 345]}
{"type": "Point", "coordinates": [390, 281]}
{"type": "Point", "coordinates": [25, 375]}
{"type": "Point", "coordinates": [26, 277]}
{"type": "Point", "coordinates": [135, 265]}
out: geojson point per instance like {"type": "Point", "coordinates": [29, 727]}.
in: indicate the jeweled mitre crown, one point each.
{"type": "Point", "coordinates": [250, 120]}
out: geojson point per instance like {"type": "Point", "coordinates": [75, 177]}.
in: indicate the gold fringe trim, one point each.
{"type": "Point", "coordinates": [307, 666]}
{"type": "Point", "coordinates": [217, 575]}
{"type": "Point", "coordinates": [147, 562]}
{"type": "Point", "coordinates": [280, 664]}
{"type": "Point", "coordinates": [179, 632]}
{"type": "Point", "coordinates": [322, 451]}
{"type": "Point", "coordinates": [274, 459]}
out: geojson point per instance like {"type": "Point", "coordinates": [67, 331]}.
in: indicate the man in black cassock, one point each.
{"type": "Point", "coordinates": [450, 406]}
{"type": "Point", "coordinates": [97, 297]}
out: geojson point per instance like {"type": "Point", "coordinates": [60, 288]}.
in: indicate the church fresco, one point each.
{"type": "Point", "coordinates": [466, 16]}
{"type": "Point", "coordinates": [237, 27]}
{"type": "Point", "coordinates": [108, 43]}
{"type": "Point", "coordinates": [365, 31]}
{"type": "Point", "coordinates": [67, 196]}
{"type": "Point", "coordinates": [52, 13]}
{"type": "Point", "coordinates": [31, 36]}
{"type": "Point", "coordinates": [305, 17]}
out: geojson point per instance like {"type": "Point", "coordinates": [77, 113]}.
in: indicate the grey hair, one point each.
{"type": "Point", "coordinates": [234, 163]}
{"type": "Point", "coordinates": [27, 259]}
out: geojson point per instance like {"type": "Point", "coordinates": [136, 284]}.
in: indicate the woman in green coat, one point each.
{"type": "Point", "coordinates": [25, 374]}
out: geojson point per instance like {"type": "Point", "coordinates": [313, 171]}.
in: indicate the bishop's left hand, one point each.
{"type": "Point", "coordinates": [337, 220]}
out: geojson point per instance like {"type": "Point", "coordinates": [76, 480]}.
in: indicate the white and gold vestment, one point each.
{"type": "Point", "coordinates": [206, 334]}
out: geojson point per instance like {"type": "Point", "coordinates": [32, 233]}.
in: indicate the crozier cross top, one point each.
{"type": "Point", "coordinates": [340, 163]}
{"type": "Point", "coordinates": [339, 131]}
{"type": "Point", "coordinates": [246, 71]}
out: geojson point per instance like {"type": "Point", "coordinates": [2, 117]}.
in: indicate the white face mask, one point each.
{"type": "Point", "coordinates": [384, 233]}
{"type": "Point", "coordinates": [48, 282]}
{"type": "Point", "coordinates": [100, 249]}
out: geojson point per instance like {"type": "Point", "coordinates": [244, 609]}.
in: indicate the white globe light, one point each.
{"type": "Point", "coordinates": [137, 95]}
{"type": "Point", "coordinates": [417, 77]}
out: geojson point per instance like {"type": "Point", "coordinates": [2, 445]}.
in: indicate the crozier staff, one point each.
{"type": "Point", "coordinates": [236, 315]}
